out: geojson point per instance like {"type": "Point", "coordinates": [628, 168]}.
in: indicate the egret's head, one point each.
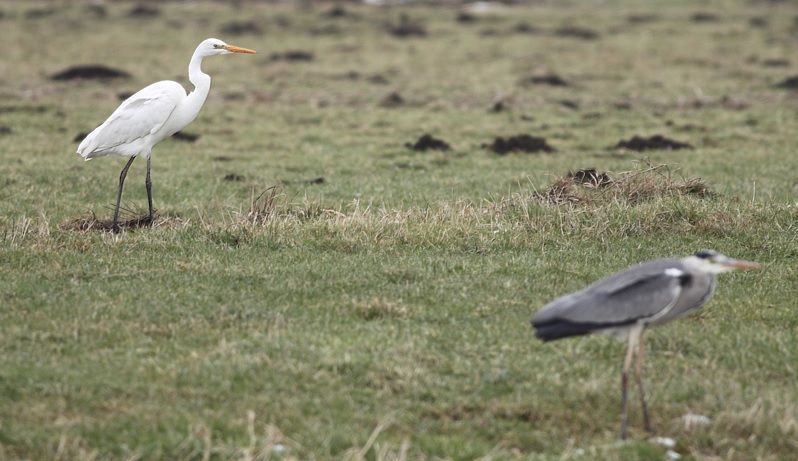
{"type": "Point", "coordinates": [214, 46]}
{"type": "Point", "coordinates": [715, 263]}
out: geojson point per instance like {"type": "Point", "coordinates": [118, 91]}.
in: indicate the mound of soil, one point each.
{"type": "Point", "coordinates": [222, 158]}
{"type": "Point", "coordinates": [656, 142]}
{"type": "Point", "coordinates": [569, 103]}
{"type": "Point", "coordinates": [519, 143]}
{"type": "Point", "coordinates": [704, 17]}
{"type": "Point", "coordinates": [525, 28]}
{"type": "Point", "coordinates": [393, 99]}
{"type": "Point", "coordinates": [124, 95]}
{"type": "Point", "coordinates": [642, 18]}
{"type": "Point", "coordinates": [241, 28]}
{"type": "Point", "coordinates": [546, 79]}
{"type": "Point", "coordinates": [337, 11]}
{"type": "Point", "coordinates": [428, 142]}
{"type": "Point", "coordinates": [581, 33]}
{"type": "Point", "coordinates": [185, 136]}
{"type": "Point", "coordinates": [789, 83]}
{"type": "Point", "coordinates": [143, 11]}
{"type": "Point", "coordinates": [80, 136]}
{"type": "Point", "coordinates": [590, 188]}
{"type": "Point", "coordinates": [88, 223]}
{"type": "Point", "coordinates": [233, 177]}
{"type": "Point", "coordinates": [464, 17]}
{"type": "Point", "coordinates": [775, 63]}
{"type": "Point", "coordinates": [292, 55]}
{"type": "Point", "coordinates": [318, 180]}
{"type": "Point", "coordinates": [407, 27]}
{"type": "Point", "coordinates": [89, 71]}
{"type": "Point", "coordinates": [5, 129]}
{"type": "Point", "coordinates": [590, 177]}
{"type": "Point", "coordinates": [38, 13]}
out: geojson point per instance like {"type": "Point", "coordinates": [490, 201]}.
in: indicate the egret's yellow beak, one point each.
{"type": "Point", "coordinates": [238, 49]}
{"type": "Point", "coordinates": [743, 265]}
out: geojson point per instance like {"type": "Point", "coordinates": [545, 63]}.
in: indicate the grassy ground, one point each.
{"type": "Point", "coordinates": [382, 314]}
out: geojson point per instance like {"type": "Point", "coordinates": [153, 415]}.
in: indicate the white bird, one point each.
{"type": "Point", "coordinates": [151, 115]}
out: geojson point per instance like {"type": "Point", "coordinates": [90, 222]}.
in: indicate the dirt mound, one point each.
{"type": "Point", "coordinates": [241, 28]}
{"type": "Point", "coordinates": [704, 17]}
{"type": "Point", "coordinates": [789, 83]}
{"type": "Point", "coordinates": [292, 55]}
{"type": "Point", "coordinates": [89, 223]}
{"type": "Point", "coordinates": [428, 142]}
{"type": "Point", "coordinates": [80, 136]}
{"type": "Point", "coordinates": [234, 177]}
{"type": "Point", "coordinates": [589, 187]}
{"type": "Point", "coordinates": [393, 99]}
{"type": "Point", "coordinates": [337, 11]}
{"type": "Point", "coordinates": [590, 177]}
{"type": "Point", "coordinates": [525, 28]}
{"type": "Point", "coordinates": [519, 143]}
{"type": "Point", "coordinates": [406, 27]}
{"type": "Point", "coordinates": [656, 142]}
{"type": "Point", "coordinates": [143, 11]}
{"type": "Point", "coordinates": [581, 33]}
{"type": "Point", "coordinates": [775, 63]}
{"type": "Point", "coordinates": [5, 129]}
{"type": "Point", "coordinates": [545, 79]}
{"type": "Point", "coordinates": [89, 71]}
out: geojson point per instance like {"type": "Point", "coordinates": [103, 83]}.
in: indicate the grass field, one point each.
{"type": "Point", "coordinates": [382, 313]}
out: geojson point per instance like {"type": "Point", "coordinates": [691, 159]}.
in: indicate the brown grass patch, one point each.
{"type": "Point", "coordinates": [91, 222]}
{"type": "Point", "coordinates": [588, 187]}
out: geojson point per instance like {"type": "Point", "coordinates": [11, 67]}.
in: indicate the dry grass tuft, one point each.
{"type": "Point", "coordinates": [380, 308]}
{"type": "Point", "coordinates": [263, 207]}
{"type": "Point", "coordinates": [591, 188]}
{"type": "Point", "coordinates": [91, 222]}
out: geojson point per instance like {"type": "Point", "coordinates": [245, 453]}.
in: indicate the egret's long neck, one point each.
{"type": "Point", "coordinates": [202, 84]}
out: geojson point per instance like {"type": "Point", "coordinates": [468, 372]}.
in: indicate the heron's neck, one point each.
{"type": "Point", "coordinates": [201, 82]}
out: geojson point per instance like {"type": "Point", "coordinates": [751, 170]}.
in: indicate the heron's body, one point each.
{"type": "Point", "coordinates": [143, 120]}
{"type": "Point", "coordinates": [152, 115]}
{"type": "Point", "coordinates": [631, 300]}
{"type": "Point", "coordinates": [648, 294]}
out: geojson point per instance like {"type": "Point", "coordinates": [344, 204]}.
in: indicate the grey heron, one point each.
{"type": "Point", "coordinates": [629, 301]}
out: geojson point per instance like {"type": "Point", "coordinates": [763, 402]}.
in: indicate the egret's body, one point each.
{"type": "Point", "coordinates": [151, 115]}
{"type": "Point", "coordinates": [629, 301]}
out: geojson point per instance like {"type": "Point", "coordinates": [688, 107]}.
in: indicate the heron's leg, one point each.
{"type": "Point", "coordinates": [122, 175]}
{"type": "Point", "coordinates": [148, 185]}
{"type": "Point", "coordinates": [634, 337]}
{"type": "Point", "coordinates": [639, 378]}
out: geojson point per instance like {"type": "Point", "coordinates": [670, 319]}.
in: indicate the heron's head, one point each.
{"type": "Point", "coordinates": [716, 263]}
{"type": "Point", "coordinates": [214, 46]}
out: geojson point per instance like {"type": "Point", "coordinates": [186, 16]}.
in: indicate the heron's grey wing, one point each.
{"type": "Point", "coordinates": [643, 295]}
{"type": "Point", "coordinates": [140, 115]}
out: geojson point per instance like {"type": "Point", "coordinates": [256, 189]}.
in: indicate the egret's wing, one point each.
{"type": "Point", "coordinates": [142, 114]}
{"type": "Point", "coordinates": [639, 293]}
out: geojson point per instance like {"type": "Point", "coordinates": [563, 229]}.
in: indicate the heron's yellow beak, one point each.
{"type": "Point", "coordinates": [744, 265]}
{"type": "Point", "coordinates": [238, 49]}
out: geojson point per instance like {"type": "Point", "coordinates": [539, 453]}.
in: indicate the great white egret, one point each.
{"type": "Point", "coordinates": [151, 115]}
{"type": "Point", "coordinates": [629, 301]}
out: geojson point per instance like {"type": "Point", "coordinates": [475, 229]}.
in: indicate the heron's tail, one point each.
{"type": "Point", "coordinates": [558, 329]}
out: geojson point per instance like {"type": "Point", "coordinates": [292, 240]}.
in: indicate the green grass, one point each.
{"type": "Point", "coordinates": [384, 313]}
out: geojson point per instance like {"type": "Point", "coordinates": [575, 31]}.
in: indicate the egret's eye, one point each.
{"type": "Point", "coordinates": [216, 45]}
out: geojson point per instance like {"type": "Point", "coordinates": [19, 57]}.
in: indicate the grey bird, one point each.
{"type": "Point", "coordinates": [627, 302]}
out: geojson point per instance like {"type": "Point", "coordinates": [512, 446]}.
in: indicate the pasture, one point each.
{"type": "Point", "coordinates": [314, 288]}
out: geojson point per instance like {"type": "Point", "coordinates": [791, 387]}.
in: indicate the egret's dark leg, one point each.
{"type": "Point", "coordinates": [122, 175]}
{"type": "Point", "coordinates": [148, 185]}
{"type": "Point", "coordinates": [634, 336]}
{"type": "Point", "coordinates": [639, 378]}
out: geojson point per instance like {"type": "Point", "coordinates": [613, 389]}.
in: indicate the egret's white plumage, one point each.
{"type": "Point", "coordinates": [153, 114]}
